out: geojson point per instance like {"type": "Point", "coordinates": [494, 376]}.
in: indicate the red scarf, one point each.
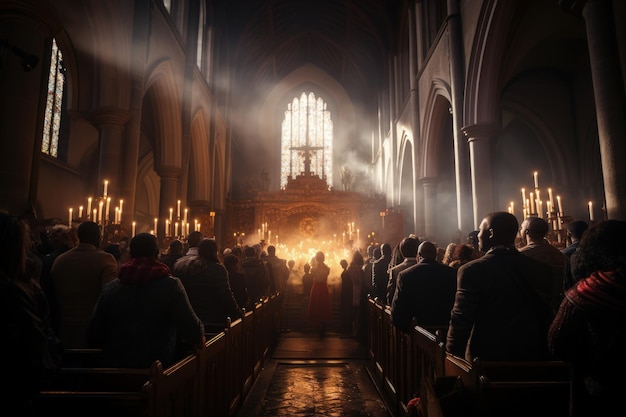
{"type": "Point", "coordinates": [142, 270]}
{"type": "Point", "coordinates": [600, 291]}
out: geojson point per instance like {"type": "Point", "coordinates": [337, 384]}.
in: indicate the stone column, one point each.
{"type": "Point", "coordinates": [610, 99]}
{"type": "Point", "coordinates": [429, 185]}
{"type": "Point", "coordinates": [461, 151]}
{"type": "Point", "coordinates": [110, 122]}
{"type": "Point", "coordinates": [481, 164]}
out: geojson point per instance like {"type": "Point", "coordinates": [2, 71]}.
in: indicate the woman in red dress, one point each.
{"type": "Point", "coordinates": [320, 310]}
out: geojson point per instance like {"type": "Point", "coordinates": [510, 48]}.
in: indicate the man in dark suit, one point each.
{"type": "Point", "coordinates": [502, 304]}
{"type": "Point", "coordinates": [424, 292]}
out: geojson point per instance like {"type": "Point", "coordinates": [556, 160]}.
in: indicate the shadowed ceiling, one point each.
{"type": "Point", "coordinates": [348, 39]}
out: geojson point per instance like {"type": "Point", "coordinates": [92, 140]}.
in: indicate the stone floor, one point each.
{"type": "Point", "coordinates": [312, 376]}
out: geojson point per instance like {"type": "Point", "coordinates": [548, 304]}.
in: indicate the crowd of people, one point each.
{"type": "Point", "coordinates": [506, 293]}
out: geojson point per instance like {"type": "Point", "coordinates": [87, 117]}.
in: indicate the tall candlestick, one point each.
{"type": "Point", "coordinates": [117, 215]}
{"type": "Point", "coordinates": [80, 212]}
{"type": "Point", "coordinates": [540, 209]}
{"type": "Point", "coordinates": [532, 203]}
{"type": "Point", "coordinates": [120, 215]}
{"type": "Point", "coordinates": [156, 222]}
{"type": "Point", "coordinates": [133, 229]}
{"type": "Point", "coordinates": [590, 211]}
{"type": "Point", "coordinates": [100, 210]}
{"type": "Point", "coordinates": [185, 218]}
{"type": "Point", "coordinates": [89, 207]}
{"type": "Point", "coordinates": [550, 197]}
{"type": "Point", "coordinates": [167, 227]}
{"type": "Point", "coordinates": [187, 229]}
{"type": "Point", "coordinates": [178, 209]}
{"type": "Point", "coordinates": [195, 224]}
{"type": "Point", "coordinates": [106, 187]}
{"type": "Point", "coordinates": [176, 229]}
{"type": "Point", "coordinates": [558, 201]}
{"type": "Point", "coordinates": [71, 210]}
{"type": "Point", "coordinates": [171, 214]}
{"type": "Point", "coordinates": [108, 206]}
{"type": "Point", "coordinates": [524, 198]}
{"type": "Point", "coordinates": [536, 178]}
{"type": "Point", "coordinates": [93, 216]}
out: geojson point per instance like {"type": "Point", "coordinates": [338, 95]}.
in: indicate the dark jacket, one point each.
{"type": "Point", "coordinates": [424, 291]}
{"type": "Point", "coordinates": [208, 288]}
{"type": "Point", "coordinates": [501, 308]}
{"type": "Point", "coordinates": [257, 278]}
{"type": "Point", "coordinates": [146, 319]}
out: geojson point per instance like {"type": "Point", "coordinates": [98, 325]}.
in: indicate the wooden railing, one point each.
{"type": "Point", "coordinates": [214, 381]}
{"type": "Point", "coordinates": [415, 364]}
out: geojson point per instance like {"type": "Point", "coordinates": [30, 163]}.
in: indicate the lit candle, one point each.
{"type": "Point", "coordinates": [120, 215]}
{"type": "Point", "coordinates": [549, 206]}
{"type": "Point", "coordinates": [176, 229]}
{"type": "Point", "coordinates": [117, 215]}
{"type": "Point", "coordinates": [178, 209]}
{"type": "Point", "coordinates": [71, 210]}
{"type": "Point", "coordinates": [590, 211]}
{"type": "Point", "coordinates": [80, 212]}
{"type": "Point", "coordinates": [185, 218]}
{"type": "Point", "coordinates": [558, 201]}
{"type": "Point", "coordinates": [536, 178]}
{"type": "Point", "coordinates": [512, 208]}
{"type": "Point", "coordinates": [524, 204]}
{"type": "Point", "coordinates": [187, 228]}
{"type": "Point", "coordinates": [540, 208]}
{"type": "Point", "coordinates": [195, 224]}
{"type": "Point", "coordinates": [171, 214]}
{"type": "Point", "coordinates": [106, 187]}
{"type": "Point", "coordinates": [88, 206]}
{"type": "Point", "coordinates": [93, 217]}
{"type": "Point", "coordinates": [100, 209]}
{"type": "Point", "coordinates": [550, 197]}
{"type": "Point", "coordinates": [269, 237]}
{"type": "Point", "coordinates": [532, 203]}
{"type": "Point", "coordinates": [106, 213]}
{"type": "Point", "coordinates": [167, 227]}
{"type": "Point", "coordinates": [156, 221]}
{"type": "Point", "coordinates": [133, 228]}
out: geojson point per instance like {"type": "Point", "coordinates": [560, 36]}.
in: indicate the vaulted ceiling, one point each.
{"type": "Point", "coordinates": [349, 39]}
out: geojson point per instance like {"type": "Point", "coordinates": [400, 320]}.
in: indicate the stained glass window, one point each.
{"type": "Point", "coordinates": [54, 103]}
{"type": "Point", "coordinates": [307, 139]}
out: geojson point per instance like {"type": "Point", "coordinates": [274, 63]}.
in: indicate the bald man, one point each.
{"type": "Point", "coordinates": [424, 292]}
{"type": "Point", "coordinates": [502, 304]}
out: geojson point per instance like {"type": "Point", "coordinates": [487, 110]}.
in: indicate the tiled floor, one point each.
{"type": "Point", "coordinates": [310, 376]}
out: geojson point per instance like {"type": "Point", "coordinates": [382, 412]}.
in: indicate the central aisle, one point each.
{"type": "Point", "coordinates": [311, 376]}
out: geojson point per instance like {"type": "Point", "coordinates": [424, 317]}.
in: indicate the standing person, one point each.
{"type": "Point", "coordinates": [359, 296]}
{"type": "Point", "coordinates": [206, 282]}
{"type": "Point", "coordinates": [319, 310]}
{"type": "Point", "coordinates": [237, 280]}
{"type": "Point", "coordinates": [424, 293]}
{"type": "Point", "coordinates": [345, 299]}
{"type": "Point", "coordinates": [589, 329]}
{"type": "Point", "coordinates": [408, 248]}
{"type": "Point", "coordinates": [502, 303]}
{"type": "Point", "coordinates": [257, 277]}
{"type": "Point", "coordinates": [144, 315]}
{"type": "Point", "coordinates": [26, 337]}
{"type": "Point", "coordinates": [174, 253]}
{"type": "Point", "coordinates": [380, 273]}
{"type": "Point", "coordinates": [575, 230]}
{"type": "Point", "coordinates": [193, 240]}
{"type": "Point", "coordinates": [533, 232]}
{"type": "Point", "coordinates": [78, 277]}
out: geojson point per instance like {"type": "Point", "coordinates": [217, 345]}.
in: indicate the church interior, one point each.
{"type": "Point", "coordinates": [339, 123]}
{"type": "Point", "coordinates": [311, 125]}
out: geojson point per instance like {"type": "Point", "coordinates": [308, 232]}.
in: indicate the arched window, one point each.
{"type": "Point", "coordinates": [307, 140]}
{"type": "Point", "coordinates": [55, 103]}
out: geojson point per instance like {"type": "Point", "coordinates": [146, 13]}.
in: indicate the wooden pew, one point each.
{"type": "Point", "coordinates": [512, 388]}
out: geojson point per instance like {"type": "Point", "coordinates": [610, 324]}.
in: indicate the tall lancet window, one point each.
{"type": "Point", "coordinates": [307, 140]}
{"type": "Point", "coordinates": [54, 103]}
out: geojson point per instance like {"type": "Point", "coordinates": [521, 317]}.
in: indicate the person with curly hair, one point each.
{"type": "Point", "coordinates": [589, 329]}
